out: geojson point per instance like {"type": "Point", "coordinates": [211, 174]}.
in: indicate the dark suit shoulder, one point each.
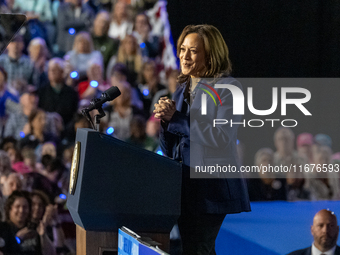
{"type": "Point", "coordinates": [337, 250]}
{"type": "Point", "coordinates": [305, 251]}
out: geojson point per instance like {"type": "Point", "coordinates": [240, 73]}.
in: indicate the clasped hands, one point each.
{"type": "Point", "coordinates": [164, 109]}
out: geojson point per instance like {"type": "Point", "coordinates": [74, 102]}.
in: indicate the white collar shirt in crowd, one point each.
{"type": "Point", "coordinates": [120, 31]}
{"type": "Point", "coordinates": [316, 251]}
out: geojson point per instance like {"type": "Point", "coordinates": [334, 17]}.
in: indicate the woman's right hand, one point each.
{"type": "Point", "coordinates": [165, 109]}
{"type": "Point", "coordinates": [26, 233]}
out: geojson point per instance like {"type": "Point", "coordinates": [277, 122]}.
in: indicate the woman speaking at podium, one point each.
{"type": "Point", "coordinates": [203, 53]}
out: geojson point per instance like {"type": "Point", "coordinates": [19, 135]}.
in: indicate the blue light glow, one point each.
{"type": "Point", "coordinates": [110, 130]}
{"type": "Point", "coordinates": [22, 134]}
{"type": "Point", "coordinates": [62, 196]}
{"type": "Point", "coordinates": [74, 74]}
{"type": "Point", "coordinates": [237, 141]}
{"type": "Point", "coordinates": [18, 240]}
{"type": "Point", "coordinates": [146, 92]}
{"type": "Point", "coordinates": [159, 152]}
{"type": "Point", "coordinates": [71, 31]}
{"type": "Point", "coordinates": [94, 84]}
{"type": "Point", "coordinates": [142, 45]}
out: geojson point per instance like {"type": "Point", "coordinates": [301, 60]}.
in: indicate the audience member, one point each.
{"type": "Point", "coordinates": [10, 183]}
{"type": "Point", "coordinates": [320, 184]}
{"type": "Point", "coordinates": [120, 26]}
{"type": "Point", "coordinates": [39, 18]}
{"type": "Point", "coordinates": [73, 17]}
{"type": "Point", "coordinates": [56, 96]}
{"type": "Point", "coordinates": [150, 44]}
{"type": "Point", "coordinates": [43, 210]}
{"type": "Point", "coordinates": [120, 112]}
{"type": "Point", "coordinates": [5, 165]}
{"type": "Point", "coordinates": [14, 155]}
{"type": "Point", "coordinates": [4, 96]}
{"type": "Point", "coordinates": [53, 170]}
{"type": "Point", "coordinates": [323, 139]}
{"type": "Point", "coordinates": [33, 239]}
{"type": "Point", "coordinates": [325, 232]}
{"type": "Point", "coordinates": [304, 143]}
{"type": "Point", "coordinates": [17, 161]}
{"type": "Point", "coordinates": [285, 155]}
{"type": "Point", "coordinates": [7, 6]}
{"type": "Point", "coordinates": [16, 64]}
{"type": "Point", "coordinates": [265, 186]}
{"type": "Point", "coordinates": [149, 85]}
{"type": "Point", "coordinates": [128, 54]}
{"type": "Point", "coordinates": [35, 132]}
{"type": "Point", "coordinates": [78, 121]}
{"type": "Point", "coordinates": [94, 83]}
{"type": "Point", "coordinates": [101, 40]}
{"type": "Point", "coordinates": [138, 135]}
{"type": "Point", "coordinates": [54, 124]}
{"type": "Point", "coordinates": [119, 74]}
{"type": "Point", "coordinates": [8, 142]}
{"type": "Point", "coordinates": [169, 91]}
{"type": "Point", "coordinates": [30, 160]}
{"type": "Point", "coordinates": [39, 54]}
{"type": "Point", "coordinates": [82, 54]}
{"type": "Point", "coordinates": [17, 120]}
{"type": "Point", "coordinates": [49, 148]}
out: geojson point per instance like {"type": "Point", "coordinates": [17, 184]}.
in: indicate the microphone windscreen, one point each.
{"type": "Point", "coordinates": [112, 93]}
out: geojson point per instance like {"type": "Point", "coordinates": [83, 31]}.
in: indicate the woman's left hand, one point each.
{"type": "Point", "coordinates": [165, 109]}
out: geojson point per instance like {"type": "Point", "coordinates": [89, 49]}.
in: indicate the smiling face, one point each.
{"type": "Point", "coordinates": [19, 212]}
{"type": "Point", "coordinates": [192, 56]}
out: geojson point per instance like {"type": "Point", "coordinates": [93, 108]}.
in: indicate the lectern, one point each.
{"type": "Point", "coordinates": [115, 184]}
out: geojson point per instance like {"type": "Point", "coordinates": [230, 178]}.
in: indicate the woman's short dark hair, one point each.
{"type": "Point", "coordinates": [216, 51]}
{"type": "Point", "coordinates": [14, 196]}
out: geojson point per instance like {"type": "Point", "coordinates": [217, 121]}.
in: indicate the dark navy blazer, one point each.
{"type": "Point", "coordinates": [191, 133]}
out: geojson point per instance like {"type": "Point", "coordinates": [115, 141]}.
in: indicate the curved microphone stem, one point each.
{"type": "Point", "coordinates": [98, 117]}
{"type": "Point", "coordinates": [86, 113]}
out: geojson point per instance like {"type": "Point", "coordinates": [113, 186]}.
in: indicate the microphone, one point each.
{"type": "Point", "coordinates": [108, 95]}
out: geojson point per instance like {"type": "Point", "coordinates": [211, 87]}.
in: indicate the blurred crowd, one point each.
{"type": "Point", "coordinates": [66, 54]}
{"type": "Point", "coordinates": [316, 175]}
